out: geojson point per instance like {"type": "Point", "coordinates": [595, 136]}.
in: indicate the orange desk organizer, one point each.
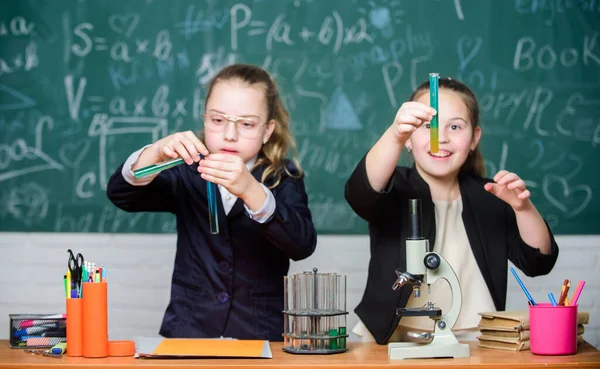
{"type": "Point", "coordinates": [95, 319]}
{"type": "Point", "coordinates": [74, 327]}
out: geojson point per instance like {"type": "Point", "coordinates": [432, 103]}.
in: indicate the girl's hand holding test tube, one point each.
{"type": "Point", "coordinates": [410, 117]}
{"type": "Point", "coordinates": [174, 150]}
{"type": "Point", "coordinates": [230, 171]}
{"type": "Point", "coordinates": [184, 145]}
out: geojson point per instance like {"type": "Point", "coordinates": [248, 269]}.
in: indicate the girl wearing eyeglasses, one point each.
{"type": "Point", "coordinates": [228, 284]}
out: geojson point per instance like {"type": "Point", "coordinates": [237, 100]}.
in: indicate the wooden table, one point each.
{"type": "Point", "coordinates": [360, 355]}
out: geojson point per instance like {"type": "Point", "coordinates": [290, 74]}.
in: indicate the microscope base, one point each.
{"type": "Point", "coordinates": [440, 346]}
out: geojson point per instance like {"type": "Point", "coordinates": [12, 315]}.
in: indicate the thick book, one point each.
{"type": "Point", "coordinates": [522, 335]}
{"type": "Point", "coordinates": [516, 320]}
{"type": "Point", "coordinates": [510, 344]}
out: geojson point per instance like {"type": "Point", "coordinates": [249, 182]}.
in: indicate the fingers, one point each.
{"type": "Point", "coordinates": [491, 187]}
{"type": "Point", "coordinates": [518, 184]}
{"type": "Point", "coordinates": [524, 195]}
{"type": "Point", "coordinates": [412, 115]}
{"type": "Point", "coordinates": [197, 143]}
{"type": "Point", "coordinates": [499, 175]}
{"type": "Point", "coordinates": [224, 166]}
{"type": "Point", "coordinates": [186, 146]}
{"type": "Point", "coordinates": [510, 180]}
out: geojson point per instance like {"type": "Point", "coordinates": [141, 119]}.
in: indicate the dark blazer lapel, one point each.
{"type": "Point", "coordinates": [238, 207]}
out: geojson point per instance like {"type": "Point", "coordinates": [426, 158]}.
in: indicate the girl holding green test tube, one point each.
{"type": "Point", "coordinates": [477, 224]}
{"type": "Point", "coordinates": [228, 283]}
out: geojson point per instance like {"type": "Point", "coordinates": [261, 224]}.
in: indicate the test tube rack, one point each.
{"type": "Point", "coordinates": [315, 313]}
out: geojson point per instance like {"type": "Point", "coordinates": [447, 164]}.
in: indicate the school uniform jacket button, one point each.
{"type": "Point", "coordinates": [223, 297]}
{"type": "Point", "coordinates": [224, 266]}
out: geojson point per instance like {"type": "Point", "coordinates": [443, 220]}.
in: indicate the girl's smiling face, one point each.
{"type": "Point", "coordinates": [456, 137]}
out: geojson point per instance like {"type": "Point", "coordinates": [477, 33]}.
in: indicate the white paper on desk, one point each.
{"type": "Point", "coordinates": [159, 347]}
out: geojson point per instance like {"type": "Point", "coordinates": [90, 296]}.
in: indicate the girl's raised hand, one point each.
{"type": "Point", "coordinates": [185, 145]}
{"type": "Point", "coordinates": [229, 171]}
{"type": "Point", "coordinates": [411, 116]}
{"type": "Point", "coordinates": [509, 188]}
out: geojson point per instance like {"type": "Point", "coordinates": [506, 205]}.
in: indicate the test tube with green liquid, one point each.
{"type": "Point", "coordinates": [434, 143]}
{"type": "Point", "coordinates": [211, 188]}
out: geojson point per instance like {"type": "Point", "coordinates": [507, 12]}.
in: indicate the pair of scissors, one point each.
{"type": "Point", "coordinates": [75, 265]}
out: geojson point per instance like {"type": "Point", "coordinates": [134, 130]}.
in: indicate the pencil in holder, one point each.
{"type": "Point", "coordinates": [74, 327]}
{"type": "Point", "coordinates": [95, 319]}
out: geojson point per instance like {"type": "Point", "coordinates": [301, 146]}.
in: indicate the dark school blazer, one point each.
{"type": "Point", "coordinates": [490, 224]}
{"type": "Point", "coordinates": [229, 284]}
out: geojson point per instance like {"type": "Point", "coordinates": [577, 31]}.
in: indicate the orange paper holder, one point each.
{"type": "Point", "coordinates": [74, 327]}
{"type": "Point", "coordinates": [95, 319]}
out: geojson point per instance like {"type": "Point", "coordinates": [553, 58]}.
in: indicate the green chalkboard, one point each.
{"type": "Point", "coordinates": [85, 83]}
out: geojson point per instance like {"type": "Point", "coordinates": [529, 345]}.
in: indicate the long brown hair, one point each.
{"type": "Point", "coordinates": [274, 152]}
{"type": "Point", "coordinates": [474, 163]}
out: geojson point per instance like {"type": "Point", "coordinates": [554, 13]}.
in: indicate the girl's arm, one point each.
{"type": "Point", "coordinates": [153, 193]}
{"type": "Point", "coordinates": [290, 228]}
{"type": "Point", "coordinates": [384, 155]}
{"type": "Point", "coordinates": [509, 188]}
{"type": "Point", "coordinates": [367, 189]}
{"type": "Point", "coordinates": [533, 229]}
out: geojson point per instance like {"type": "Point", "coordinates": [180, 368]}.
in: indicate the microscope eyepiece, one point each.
{"type": "Point", "coordinates": [414, 215]}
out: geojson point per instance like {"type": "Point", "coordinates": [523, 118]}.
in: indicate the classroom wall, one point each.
{"type": "Point", "coordinates": [139, 270]}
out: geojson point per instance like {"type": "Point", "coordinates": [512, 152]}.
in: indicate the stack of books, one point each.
{"type": "Point", "coordinates": [509, 330]}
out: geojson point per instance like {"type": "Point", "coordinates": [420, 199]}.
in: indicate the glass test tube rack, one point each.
{"type": "Point", "coordinates": [315, 313]}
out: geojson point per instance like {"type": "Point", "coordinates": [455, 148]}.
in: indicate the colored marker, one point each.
{"type": "Point", "coordinates": [66, 288]}
{"type": "Point", "coordinates": [552, 299]}
{"type": "Point", "coordinates": [45, 341]}
{"type": "Point", "coordinates": [36, 330]}
{"type": "Point", "coordinates": [563, 292]}
{"type": "Point", "coordinates": [434, 142]}
{"type": "Point", "coordinates": [156, 168]}
{"type": "Point", "coordinates": [531, 301]}
{"type": "Point", "coordinates": [59, 348]}
{"type": "Point", "coordinates": [41, 320]}
{"type": "Point", "coordinates": [577, 293]}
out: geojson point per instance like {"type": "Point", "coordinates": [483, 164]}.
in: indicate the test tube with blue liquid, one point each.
{"type": "Point", "coordinates": [433, 102]}
{"type": "Point", "coordinates": [211, 188]}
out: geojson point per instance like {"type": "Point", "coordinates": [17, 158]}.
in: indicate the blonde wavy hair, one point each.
{"type": "Point", "coordinates": [273, 153]}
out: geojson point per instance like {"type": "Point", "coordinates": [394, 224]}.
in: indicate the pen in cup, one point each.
{"type": "Point", "coordinates": [563, 293]}
{"type": "Point", "coordinates": [577, 293]}
{"type": "Point", "coordinates": [552, 299]}
{"type": "Point", "coordinates": [211, 188]}
{"type": "Point", "coordinates": [531, 301]}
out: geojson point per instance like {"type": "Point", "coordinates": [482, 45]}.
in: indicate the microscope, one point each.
{"type": "Point", "coordinates": [425, 268]}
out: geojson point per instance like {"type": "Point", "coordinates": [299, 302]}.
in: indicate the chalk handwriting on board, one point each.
{"type": "Point", "coordinates": [333, 31]}
{"type": "Point", "coordinates": [84, 85]}
{"type": "Point", "coordinates": [528, 55]}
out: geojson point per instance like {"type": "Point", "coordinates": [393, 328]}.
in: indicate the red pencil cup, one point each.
{"type": "Point", "coordinates": [95, 319]}
{"type": "Point", "coordinates": [553, 329]}
{"type": "Point", "coordinates": [74, 327]}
